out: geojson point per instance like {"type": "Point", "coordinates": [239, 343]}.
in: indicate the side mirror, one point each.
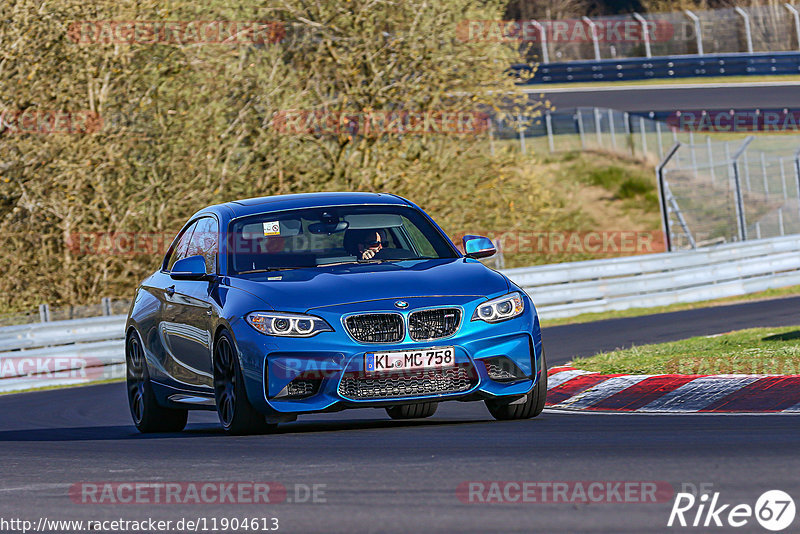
{"type": "Point", "coordinates": [191, 268]}
{"type": "Point", "coordinates": [476, 246]}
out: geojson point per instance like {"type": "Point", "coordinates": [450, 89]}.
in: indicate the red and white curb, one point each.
{"type": "Point", "coordinates": [570, 388]}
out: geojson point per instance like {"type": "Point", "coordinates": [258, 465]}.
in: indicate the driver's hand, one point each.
{"type": "Point", "coordinates": [367, 254]}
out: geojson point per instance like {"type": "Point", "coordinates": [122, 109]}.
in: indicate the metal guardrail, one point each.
{"type": "Point", "coordinates": [605, 70]}
{"type": "Point", "coordinates": [565, 290]}
{"type": "Point", "coordinates": [560, 290]}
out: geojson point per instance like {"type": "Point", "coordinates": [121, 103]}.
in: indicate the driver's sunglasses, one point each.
{"type": "Point", "coordinates": [373, 244]}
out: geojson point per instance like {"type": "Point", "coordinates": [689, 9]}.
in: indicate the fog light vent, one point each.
{"type": "Point", "coordinates": [502, 369]}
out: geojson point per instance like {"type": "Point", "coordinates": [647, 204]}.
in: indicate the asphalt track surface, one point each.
{"type": "Point", "coordinates": [672, 98]}
{"type": "Point", "coordinates": [387, 476]}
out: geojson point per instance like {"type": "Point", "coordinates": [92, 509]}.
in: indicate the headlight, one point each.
{"type": "Point", "coordinates": [500, 309]}
{"type": "Point", "coordinates": [287, 324]}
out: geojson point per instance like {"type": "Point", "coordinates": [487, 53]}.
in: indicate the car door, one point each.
{"type": "Point", "coordinates": [186, 317]}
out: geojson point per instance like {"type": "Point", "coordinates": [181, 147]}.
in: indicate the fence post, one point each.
{"type": "Point", "coordinates": [698, 30]}
{"type": "Point", "coordinates": [796, 17]}
{"type": "Point", "coordinates": [662, 193]}
{"type": "Point", "coordinates": [595, 38]}
{"type": "Point", "coordinates": [797, 174]}
{"type": "Point", "coordinates": [645, 33]}
{"type": "Point", "coordinates": [747, 31]}
{"type": "Point", "coordinates": [44, 313]}
{"type": "Point", "coordinates": [780, 221]}
{"type": "Point", "coordinates": [612, 128]}
{"type": "Point", "coordinates": [693, 154]}
{"type": "Point", "coordinates": [660, 141]}
{"type": "Point", "coordinates": [548, 121]}
{"type": "Point", "coordinates": [521, 134]}
{"type": "Point", "coordinates": [106, 305]}
{"type": "Point", "coordinates": [783, 181]}
{"type": "Point", "coordinates": [490, 127]}
{"type": "Point", "coordinates": [629, 132]}
{"type": "Point", "coordinates": [737, 191]}
{"type": "Point", "coordinates": [764, 175]}
{"type": "Point", "coordinates": [747, 172]}
{"type": "Point", "coordinates": [644, 138]}
{"type": "Point", "coordinates": [711, 161]}
{"type": "Point", "coordinates": [597, 127]}
{"type": "Point", "coordinates": [580, 130]}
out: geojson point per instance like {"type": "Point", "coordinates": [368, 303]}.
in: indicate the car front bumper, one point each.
{"type": "Point", "coordinates": [326, 372]}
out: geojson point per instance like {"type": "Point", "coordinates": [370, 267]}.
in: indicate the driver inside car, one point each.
{"type": "Point", "coordinates": [365, 244]}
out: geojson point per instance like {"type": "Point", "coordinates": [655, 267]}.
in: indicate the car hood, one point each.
{"type": "Point", "coordinates": [300, 290]}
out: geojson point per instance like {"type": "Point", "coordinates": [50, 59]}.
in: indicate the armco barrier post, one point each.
{"type": "Point", "coordinates": [595, 38]}
{"type": "Point", "coordinates": [698, 30]}
{"type": "Point", "coordinates": [796, 17]}
{"type": "Point", "coordinates": [543, 40]}
{"type": "Point", "coordinates": [747, 31]}
{"type": "Point", "coordinates": [44, 313]}
{"type": "Point", "coordinates": [737, 189]}
{"type": "Point", "coordinates": [645, 33]}
{"type": "Point", "coordinates": [662, 193]}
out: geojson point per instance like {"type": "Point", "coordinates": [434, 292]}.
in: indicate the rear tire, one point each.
{"type": "Point", "coordinates": [412, 411]}
{"type": "Point", "coordinates": [147, 414]}
{"type": "Point", "coordinates": [236, 414]}
{"type": "Point", "coordinates": [533, 405]}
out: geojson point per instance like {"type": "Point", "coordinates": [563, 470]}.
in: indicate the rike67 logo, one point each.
{"type": "Point", "coordinates": [774, 510]}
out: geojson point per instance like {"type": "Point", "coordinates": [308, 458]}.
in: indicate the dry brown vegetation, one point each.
{"type": "Point", "coordinates": [187, 125]}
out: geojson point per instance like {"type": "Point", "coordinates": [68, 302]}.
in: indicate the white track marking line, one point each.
{"type": "Point", "coordinates": [699, 393]}
{"type": "Point", "coordinates": [567, 411]}
{"type": "Point", "coordinates": [601, 391]}
{"type": "Point", "coordinates": [556, 379]}
{"type": "Point", "coordinates": [793, 409]}
{"type": "Point", "coordinates": [660, 87]}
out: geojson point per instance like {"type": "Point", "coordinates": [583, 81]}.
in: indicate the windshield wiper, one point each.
{"type": "Point", "coordinates": [268, 270]}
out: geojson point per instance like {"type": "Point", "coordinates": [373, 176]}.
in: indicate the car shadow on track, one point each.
{"type": "Point", "coordinates": [128, 432]}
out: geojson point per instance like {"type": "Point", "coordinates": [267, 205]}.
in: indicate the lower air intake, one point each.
{"type": "Point", "coordinates": [358, 385]}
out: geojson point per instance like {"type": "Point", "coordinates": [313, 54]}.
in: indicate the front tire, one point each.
{"type": "Point", "coordinates": [236, 414]}
{"type": "Point", "coordinates": [147, 414]}
{"type": "Point", "coordinates": [533, 405]}
{"type": "Point", "coordinates": [412, 411]}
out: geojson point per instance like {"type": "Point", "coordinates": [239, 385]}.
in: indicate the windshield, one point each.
{"type": "Point", "coordinates": [315, 237]}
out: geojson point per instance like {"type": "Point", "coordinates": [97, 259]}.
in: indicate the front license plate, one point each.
{"type": "Point", "coordinates": [381, 362]}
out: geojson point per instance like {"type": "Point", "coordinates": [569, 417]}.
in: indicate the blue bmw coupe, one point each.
{"type": "Point", "coordinates": [268, 308]}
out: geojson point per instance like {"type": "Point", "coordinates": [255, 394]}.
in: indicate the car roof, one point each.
{"type": "Point", "coordinates": [251, 206]}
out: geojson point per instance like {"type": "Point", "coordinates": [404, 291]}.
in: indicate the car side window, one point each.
{"type": "Point", "coordinates": [179, 252]}
{"type": "Point", "coordinates": [204, 242]}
